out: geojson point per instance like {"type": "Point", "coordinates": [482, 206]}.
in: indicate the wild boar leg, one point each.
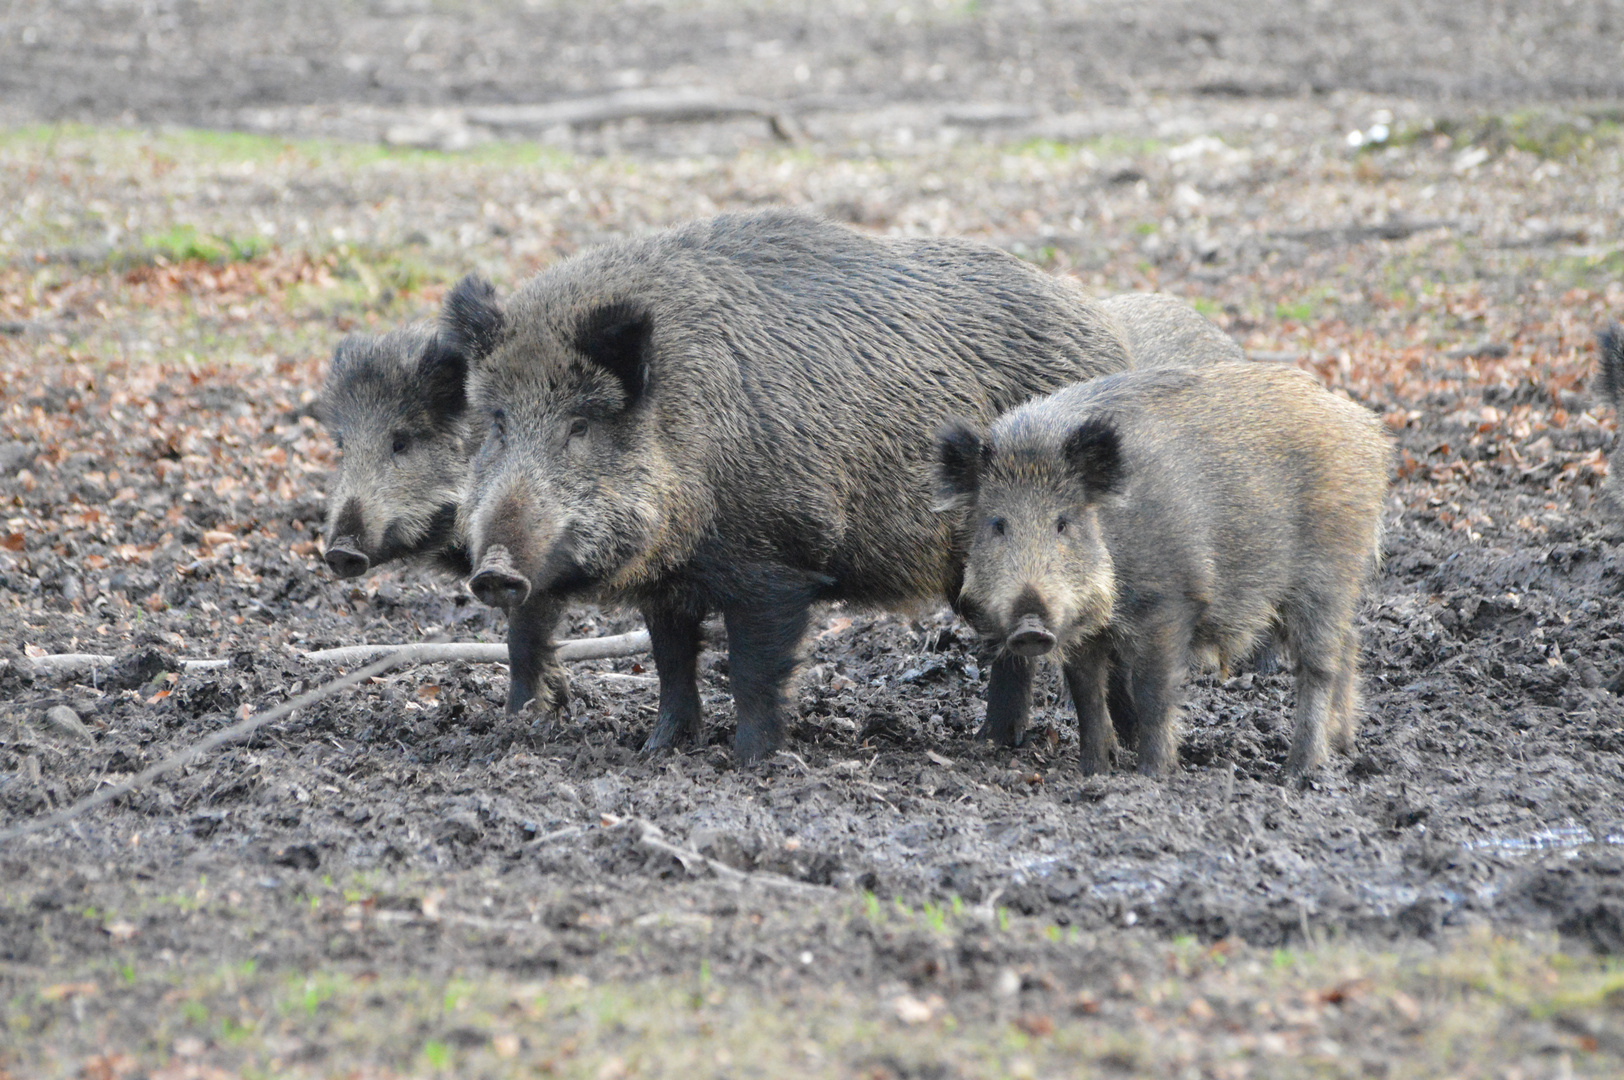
{"type": "Point", "coordinates": [1308, 737]}
{"type": "Point", "coordinates": [534, 671]}
{"type": "Point", "coordinates": [764, 639]}
{"type": "Point", "coordinates": [1119, 700]}
{"type": "Point", "coordinates": [1318, 632]}
{"type": "Point", "coordinates": [1088, 669]}
{"type": "Point", "coordinates": [1159, 667]}
{"type": "Point", "coordinates": [674, 638]}
{"type": "Point", "coordinates": [1009, 699]}
{"type": "Point", "coordinates": [1344, 719]}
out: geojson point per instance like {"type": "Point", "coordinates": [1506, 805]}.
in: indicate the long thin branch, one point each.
{"type": "Point", "coordinates": [240, 730]}
{"type": "Point", "coordinates": [598, 648]}
{"type": "Point", "coordinates": [668, 104]}
{"type": "Point", "coordinates": [649, 837]}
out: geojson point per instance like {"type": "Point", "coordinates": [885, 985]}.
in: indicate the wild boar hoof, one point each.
{"type": "Point", "coordinates": [1002, 735]}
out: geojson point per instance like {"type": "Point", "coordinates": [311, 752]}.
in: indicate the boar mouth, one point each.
{"type": "Point", "coordinates": [439, 533]}
{"type": "Point", "coordinates": [561, 574]}
{"type": "Point", "coordinates": [498, 582]}
{"type": "Point", "coordinates": [345, 558]}
{"type": "Point", "coordinates": [1030, 637]}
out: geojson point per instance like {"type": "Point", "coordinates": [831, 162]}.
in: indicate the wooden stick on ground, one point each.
{"type": "Point", "coordinates": [240, 730]}
{"type": "Point", "coordinates": [649, 836]}
{"type": "Point", "coordinates": [598, 648]}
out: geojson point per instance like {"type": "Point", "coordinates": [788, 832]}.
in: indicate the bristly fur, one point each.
{"type": "Point", "coordinates": [398, 404]}
{"type": "Point", "coordinates": [1250, 506]}
{"type": "Point", "coordinates": [961, 451]}
{"type": "Point", "coordinates": [443, 377]}
{"type": "Point", "coordinates": [406, 387]}
{"type": "Point", "coordinates": [790, 376]}
{"type": "Point", "coordinates": [1610, 345]}
{"type": "Point", "coordinates": [1093, 452]}
{"type": "Point", "coordinates": [616, 337]}
{"type": "Point", "coordinates": [471, 321]}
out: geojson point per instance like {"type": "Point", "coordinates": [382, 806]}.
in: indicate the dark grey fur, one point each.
{"type": "Point", "coordinates": [1610, 347]}
{"type": "Point", "coordinates": [737, 416]}
{"type": "Point", "coordinates": [396, 405]}
{"type": "Point", "coordinates": [1160, 517]}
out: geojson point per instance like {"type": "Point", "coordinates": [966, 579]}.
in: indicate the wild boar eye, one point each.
{"type": "Point", "coordinates": [400, 444]}
{"type": "Point", "coordinates": [499, 422]}
{"type": "Point", "coordinates": [997, 526]}
{"type": "Point", "coordinates": [578, 427]}
{"type": "Point", "coordinates": [338, 441]}
{"type": "Point", "coordinates": [1060, 526]}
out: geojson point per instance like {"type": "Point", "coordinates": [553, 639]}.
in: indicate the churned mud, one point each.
{"type": "Point", "coordinates": [167, 302]}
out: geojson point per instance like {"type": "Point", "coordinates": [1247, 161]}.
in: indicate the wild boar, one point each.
{"type": "Point", "coordinates": [1149, 519]}
{"type": "Point", "coordinates": [397, 408]}
{"type": "Point", "coordinates": [737, 415]}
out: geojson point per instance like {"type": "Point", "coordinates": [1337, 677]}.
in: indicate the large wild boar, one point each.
{"type": "Point", "coordinates": [1152, 518]}
{"type": "Point", "coordinates": [737, 416]}
{"type": "Point", "coordinates": [397, 408]}
{"type": "Point", "coordinates": [1163, 331]}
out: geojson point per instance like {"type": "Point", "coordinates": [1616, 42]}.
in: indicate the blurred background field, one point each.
{"type": "Point", "coordinates": [1420, 203]}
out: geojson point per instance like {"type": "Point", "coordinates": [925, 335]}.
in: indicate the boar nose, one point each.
{"type": "Point", "coordinates": [1030, 637]}
{"type": "Point", "coordinates": [345, 561]}
{"type": "Point", "coordinates": [497, 582]}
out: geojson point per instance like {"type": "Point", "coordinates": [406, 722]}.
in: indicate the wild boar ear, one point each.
{"type": "Point", "coordinates": [961, 451]}
{"type": "Point", "coordinates": [348, 365]}
{"type": "Point", "coordinates": [616, 338]}
{"type": "Point", "coordinates": [348, 356]}
{"type": "Point", "coordinates": [471, 320]}
{"type": "Point", "coordinates": [1093, 453]}
{"type": "Point", "coordinates": [442, 375]}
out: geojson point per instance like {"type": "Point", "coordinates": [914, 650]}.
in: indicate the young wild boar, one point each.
{"type": "Point", "coordinates": [398, 411]}
{"type": "Point", "coordinates": [737, 416]}
{"type": "Point", "coordinates": [1610, 346]}
{"type": "Point", "coordinates": [1161, 516]}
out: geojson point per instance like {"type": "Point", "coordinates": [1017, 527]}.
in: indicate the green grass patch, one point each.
{"type": "Point", "coordinates": [1594, 271]}
{"type": "Point", "coordinates": [1100, 147]}
{"type": "Point", "coordinates": [184, 243]}
{"type": "Point", "coordinates": [201, 146]}
{"type": "Point", "coordinates": [1554, 134]}
{"type": "Point", "coordinates": [1307, 307]}
{"type": "Point", "coordinates": [1465, 1009]}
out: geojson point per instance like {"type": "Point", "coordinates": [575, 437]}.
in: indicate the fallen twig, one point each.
{"type": "Point", "coordinates": [598, 648]}
{"type": "Point", "coordinates": [659, 104]}
{"type": "Point", "coordinates": [78, 661]}
{"type": "Point", "coordinates": [649, 837]}
{"type": "Point", "coordinates": [1353, 234]}
{"type": "Point", "coordinates": [556, 834]}
{"type": "Point", "coordinates": [239, 730]}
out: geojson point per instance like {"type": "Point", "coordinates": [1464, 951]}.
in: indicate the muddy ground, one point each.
{"type": "Point", "coordinates": [167, 300]}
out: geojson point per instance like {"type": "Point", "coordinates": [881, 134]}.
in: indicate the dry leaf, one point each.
{"type": "Point", "coordinates": [911, 1011]}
